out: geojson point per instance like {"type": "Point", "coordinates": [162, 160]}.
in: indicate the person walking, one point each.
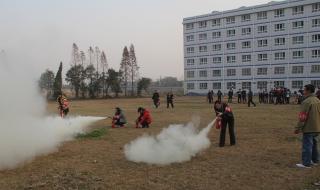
{"type": "Point", "coordinates": [230, 95]}
{"type": "Point", "coordinates": [250, 98]}
{"type": "Point", "coordinates": [309, 126]}
{"type": "Point", "coordinates": [156, 99]}
{"type": "Point", "coordinates": [170, 98]}
{"type": "Point", "coordinates": [219, 94]}
{"type": "Point", "coordinates": [239, 96]}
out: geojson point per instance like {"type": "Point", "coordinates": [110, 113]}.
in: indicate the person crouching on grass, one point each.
{"type": "Point", "coordinates": [309, 125]}
{"type": "Point", "coordinates": [144, 120]}
{"type": "Point", "coordinates": [224, 118]}
{"type": "Point", "coordinates": [118, 120]}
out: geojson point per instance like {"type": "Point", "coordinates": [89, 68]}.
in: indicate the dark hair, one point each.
{"type": "Point", "coordinates": [217, 102]}
{"type": "Point", "coordinates": [140, 109]}
{"type": "Point", "coordinates": [310, 88]}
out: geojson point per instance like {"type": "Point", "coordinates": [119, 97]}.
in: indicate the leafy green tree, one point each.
{"type": "Point", "coordinates": [113, 81]}
{"type": "Point", "coordinates": [75, 77]}
{"type": "Point", "coordinates": [57, 86]}
{"type": "Point", "coordinates": [46, 82]}
{"type": "Point", "coordinates": [143, 84]}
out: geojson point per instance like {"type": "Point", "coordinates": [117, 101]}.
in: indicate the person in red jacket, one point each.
{"type": "Point", "coordinates": [63, 105]}
{"type": "Point", "coordinates": [144, 120]}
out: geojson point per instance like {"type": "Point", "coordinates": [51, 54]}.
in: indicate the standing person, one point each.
{"type": "Point", "coordinates": [144, 120]}
{"type": "Point", "coordinates": [230, 95]}
{"type": "Point", "coordinates": [118, 120]}
{"type": "Point", "coordinates": [63, 105]}
{"type": "Point", "coordinates": [260, 96]}
{"type": "Point", "coordinates": [309, 125]}
{"type": "Point", "coordinates": [212, 95]}
{"type": "Point", "coordinates": [156, 99]}
{"type": "Point", "coordinates": [219, 94]}
{"type": "Point", "coordinates": [250, 98]}
{"type": "Point", "coordinates": [209, 97]}
{"type": "Point", "coordinates": [239, 96]}
{"type": "Point", "coordinates": [244, 96]}
{"type": "Point", "coordinates": [226, 118]}
{"type": "Point", "coordinates": [170, 98]}
{"type": "Point", "coordinates": [318, 93]}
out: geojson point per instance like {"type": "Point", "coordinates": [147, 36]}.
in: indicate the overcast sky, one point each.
{"type": "Point", "coordinates": [41, 32]}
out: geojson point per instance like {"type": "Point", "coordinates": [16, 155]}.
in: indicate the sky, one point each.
{"type": "Point", "coordinates": [40, 33]}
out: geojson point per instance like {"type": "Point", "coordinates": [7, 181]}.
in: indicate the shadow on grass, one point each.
{"type": "Point", "coordinates": [95, 134]}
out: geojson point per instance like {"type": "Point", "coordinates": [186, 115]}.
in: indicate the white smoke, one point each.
{"type": "Point", "coordinates": [177, 143]}
{"type": "Point", "coordinates": [25, 130]}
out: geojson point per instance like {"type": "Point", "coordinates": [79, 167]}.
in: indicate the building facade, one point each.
{"type": "Point", "coordinates": [260, 47]}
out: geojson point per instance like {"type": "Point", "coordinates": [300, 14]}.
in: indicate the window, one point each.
{"type": "Point", "coordinates": [297, 40]}
{"type": "Point", "coordinates": [297, 84]}
{"type": "Point", "coordinates": [190, 50]}
{"type": "Point", "coordinates": [279, 13]}
{"type": "Point", "coordinates": [190, 62]}
{"type": "Point", "coordinates": [315, 69]}
{"type": "Point", "coordinates": [231, 85]}
{"type": "Point", "coordinates": [231, 72]}
{"type": "Point", "coordinates": [203, 61]}
{"type": "Point", "coordinates": [262, 57]}
{"type": "Point", "coordinates": [190, 74]}
{"type": "Point", "coordinates": [262, 29]}
{"type": "Point", "coordinates": [262, 85]}
{"type": "Point", "coordinates": [203, 49]}
{"type": "Point", "coordinates": [190, 86]}
{"type": "Point", "coordinates": [279, 41]}
{"type": "Point", "coordinates": [231, 33]}
{"type": "Point", "coordinates": [279, 83]}
{"type": "Point", "coordinates": [231, 46]}
{"type": "Point", "coordinates": [216, 35]}
{"type": "Point", "coordinates": [231, 20]}
{"type": "Point", "coordinates": [203, 73]}
{"type": "Point", "coordinates": [262, 71]}
{"type": "Point", "coordinates": [297, 24]}
{"type": "Point", "coordinates": [202, 24]}
{"type": "Point", "coordinates": [297, 70]}
{"type": "Point", "coordinates": [316, 38]}
{"type": "Point", "coordinates": [280, 56]}
{"type": "Point", "coordinates": [203, 36]}
{"type": "Point", "coordinates": [246, 58]}
{"type": "Point", "coordinates": [245, 18]}
{"type": "Point", "coordinates": [246, 31]}
{"type": "Point", "coordinates": [216, 47]}
{"type": "Point", "coordinates": [316, 22]}
{"type": "Point", "coordinates": [216, 73]}
{"type": "Point", "coordinates": [315, 83]}
{"type": "Point", "coordinates": [262, 43]}
{"type": "Point", "coordinates": [262, 15]}
{"type": "Point", "coordinates": [216, 22]}
{"type": "Point", "coordinates": [216, 85]}
{"type": "Point", "coordinates": [279, 27]}
{"type": "Point", "coordinates": [189, 26]}
{"type": "Point", "coordinates": [315, 7]}
{"type": "Point", "coordinates": [216, 59]}
{"type": "Point", "coordinates": [279, 70]}
{"type": "Point", "coordinates": [246, 72]}
{"type": "Point", "coordinates": [315, 53]}
{"type": "Point", "coordinates": [297, 54]}
{"type": "Point", "coordinates": [231, 59]}
{"type": "Point", "coordinates": [190, 38]}
{"type": "Point", "coordinates": [246, 44]}
{"type": "Point", "coordinates": [246, 85]}
{"type": "Point", "coordinates": [297, 10]}
{"type": "Point", "coordinates": [203, 86]}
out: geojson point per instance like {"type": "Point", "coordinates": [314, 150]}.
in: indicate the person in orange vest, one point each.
{"type": "Point", "coordinates": [63, 105]}
{"type": "Point", "coordinates": [224, 118]}
{"type": "Point", "coordinates": [144, 120]}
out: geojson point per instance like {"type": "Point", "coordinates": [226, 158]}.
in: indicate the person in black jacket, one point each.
{"type": "Point", "coordinates": [230, 95]}
{"type": "Point", "coordinates": [250, 98]}
{"type": "Point", "coordinates": [219, 94]}
{"type": "Point", "coordinates": [156, 99]}
{"type": "Point", "coordinates": [225, 115]}
{"type": "Point", "coordinates": [239, 96]}
{"type": "Point", "coordinates": [170, 98]}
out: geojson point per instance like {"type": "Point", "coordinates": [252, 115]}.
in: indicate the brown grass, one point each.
{"type": "Point", "coordinates": [264, 157]}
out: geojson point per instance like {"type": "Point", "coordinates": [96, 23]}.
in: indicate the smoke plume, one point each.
{"type": "Point", "coordinates": [177, 143]}
{"type": "Point", "coordinates": [25, 130]}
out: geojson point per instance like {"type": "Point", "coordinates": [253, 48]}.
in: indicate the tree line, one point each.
{"type": "Point", "coordinates": [90, 77]}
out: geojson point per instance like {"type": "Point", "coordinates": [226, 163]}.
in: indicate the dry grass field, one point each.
{"type": "Point", "coordinates": [264, 157]}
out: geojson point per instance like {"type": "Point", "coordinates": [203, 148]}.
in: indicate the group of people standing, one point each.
{"type": "Point", "coordinates": [156, 99]}
{"type": "Point", "coordinates": [243, 97]}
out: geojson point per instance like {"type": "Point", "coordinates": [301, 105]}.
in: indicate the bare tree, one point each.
{"type": "Point", "coordinates": [104, 65]}
{"type": "Point", "coordinates": [91, 55]}
{"type": "Point", "coordinates": [134, 69]}
{"type": "Point", "coordinates": [125, 68]}
{"type": "Point", "coordinates": [75, 56]}
{"type": "Point", "coordinates": [97, 53]}
{"type": "Point", "coordinates": [82, 58]}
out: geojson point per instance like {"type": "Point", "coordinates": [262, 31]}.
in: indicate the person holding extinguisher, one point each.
{"type": "Point", "coordinates": [225, 119]}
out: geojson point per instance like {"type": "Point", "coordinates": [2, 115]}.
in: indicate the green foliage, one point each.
{"type": "Point", "coordinates": [75, 77]}
{"type": "Point", "coordinates": [57, 86]}
{"type": "Point", "coordinates": [143, 84]}
{"type": "Point", "coordinates": [113, 81]}
{"type": "Point", "coordinates": [95, 134]}
{"type": "Point", "coordinates": [46, 80]}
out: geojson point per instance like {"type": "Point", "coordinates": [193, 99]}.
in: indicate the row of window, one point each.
{"type": "Point", "coordinates": [297, 84]}
{"type": "Point", "coordinates": [298, 10]}
{"type": "Point", "coordinates": [299, 54]}
{"type": "Point", "coordinates": [248, 71]}
{"type": "Point", "coordinates": [260, 43]}
{"type": "Point", "coordinates": [248, 30]}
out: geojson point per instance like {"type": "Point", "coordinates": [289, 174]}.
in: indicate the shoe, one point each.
{"type": "Point", "coordinates": [314, 163]}
{"type": "Point", "coordinates": [302, 166]}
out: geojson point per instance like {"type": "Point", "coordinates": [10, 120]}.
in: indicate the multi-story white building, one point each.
{"type": "Point", "coordinates": [258, 47]}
